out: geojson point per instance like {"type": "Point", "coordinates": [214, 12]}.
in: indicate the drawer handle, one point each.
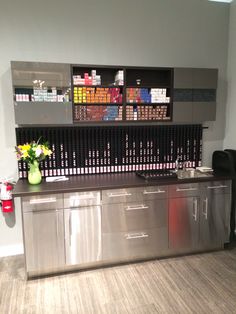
{"type": "Point", "coordinates": [119, 195]}
{"type": "Point", "coordinates": [154, 192]}
{"type": "Point", "coordinates": [218, 187]}
{"type": "Point", "coordinates": [128, 208]}
{"type": "Point", "coordinates": [195, 209]}
{"type": "Point", "coordinates": [131, 236]}
{"type": "Point", "coordinates": [43, 200]}
{"type": "Point", "coordinates": [185, 189]}
{"type": "Point", "coordinates": [83, 196]}
{"type": "Point", "coordinates": [205, 213]}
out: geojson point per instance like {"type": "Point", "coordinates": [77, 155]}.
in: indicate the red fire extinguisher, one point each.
{"type": "Point", "coordinates": [6, 197]}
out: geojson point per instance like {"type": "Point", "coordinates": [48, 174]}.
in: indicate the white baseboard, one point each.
{"type": "Point", "coordinates": [10, 250]}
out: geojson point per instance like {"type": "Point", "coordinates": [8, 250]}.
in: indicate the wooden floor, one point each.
{"type": "Point", "coordinates": [204, 283]}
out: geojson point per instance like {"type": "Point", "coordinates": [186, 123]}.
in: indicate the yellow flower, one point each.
{"type": "Point", "coordinates": [25, 154]}
{"type": "Point", "coordinates": [46, 151]}
{"type": "Point", "coordinates": [26, 147]}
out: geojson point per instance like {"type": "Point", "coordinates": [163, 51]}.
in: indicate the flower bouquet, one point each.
{"type": "Point", "coordinates": [33, 153]}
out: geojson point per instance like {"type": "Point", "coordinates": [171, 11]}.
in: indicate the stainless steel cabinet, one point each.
{"type": "Point", "coordinates": [183, 216]}
{"type": "Point", "coordinates": [43, 235]}
{"type": "Point", "coordinates": [215, 214]}
{"type": "Point", "coordinates": [83, 242]}
{"type": "Point", "coordinates": [137, 228]}
{"type": "Point", "coordinates": [199, 216]}
{"type": "Point", "coordinates": [84, 229]}
{"type": "Point", "coordinates": [183, 222]}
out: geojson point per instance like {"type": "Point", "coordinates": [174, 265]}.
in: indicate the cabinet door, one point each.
{"type": "Point", "coordinates": [83, 235]}
{"type": "Point", "coordinates": [30, 113]}
{"type": "Point", "coordinates": [44, 240]}
{"type": "Point", "coordinates": [215, 220]}
{"type": "Point", "coordinates": [183, 223]}
{"type": "Point", "coordinates": [182, 105]}
{"type": "Point", "coordinates": [183, 78]}
{"type": "Point", "coordinates": [204, 111]}
{"type": "Point", "coordinates": [182, 111]}
{"type": "Point", "coordinates": [204, 78]}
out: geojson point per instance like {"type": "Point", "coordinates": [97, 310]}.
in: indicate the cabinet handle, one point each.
{"type": "Point", "coordinates": [154, 192]}
{"type": "Point", "coordinates": [218, 187]}
{"type": "Point", "coordinates": [57, 224]}
{"type": "Point", "coordinates": [131, 236]}
{"type": "Point", "coordinates": [119, 195]}
{"type": "Point", "coordinates": [43, 200]}
{"type": "Point", "coordinates": [83, 196]}
{"type": "Point", "coordinates": [205, 213]}
{"type": "Point", "coordinates": [185, 189]}
{"type": "Point", "coordinates": [128, 208]}
{"type": "Point", "coordinates": [195, 209]}
{"type": "Point", "coordinates": [70, 229]}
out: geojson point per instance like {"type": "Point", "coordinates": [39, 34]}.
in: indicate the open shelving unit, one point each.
{"type": "Point", "coordinates": [121, 93]}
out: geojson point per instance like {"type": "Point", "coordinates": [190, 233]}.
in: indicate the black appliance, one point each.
{"type": "Point", "coordinates": [224, 162]}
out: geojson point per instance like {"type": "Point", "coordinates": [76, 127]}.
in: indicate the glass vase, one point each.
{"type": "Point", "coordinates": [34, 174]}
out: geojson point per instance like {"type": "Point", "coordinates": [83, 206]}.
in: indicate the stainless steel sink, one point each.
{"type": "Point", "coordinates": [191, 173]}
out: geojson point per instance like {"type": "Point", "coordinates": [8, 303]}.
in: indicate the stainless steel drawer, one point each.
{"type": "Point", "coordinates": [82, 199]}
{"type": "Point", "coordinates": [42, 202]}
{"type": "Point", "coordinates": [184, 190]}
{"type": "Point", "coordinates": [134, 216]}
{"type": "Point", "coordinates": [119, 195]}
{"type": "Point", "coordinates": [153, 192]}
{"type": "Point", "coordinates": [138, 244]}
{"type": "Point", "coordinates": [217, 187]}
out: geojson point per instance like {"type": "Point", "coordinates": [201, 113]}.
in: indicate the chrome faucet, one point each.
{"type": "Point", "coordinates": [177, 164]}
{"type": "Point", "coordinates": [185, 165]}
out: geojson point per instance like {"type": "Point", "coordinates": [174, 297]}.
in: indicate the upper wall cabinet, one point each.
{"type": "Point", "coordinates": [57, 94]}
{"type": "Point", "coordinates": [42, 93]}
{"type": "Point", "coordinates": [194, 95]}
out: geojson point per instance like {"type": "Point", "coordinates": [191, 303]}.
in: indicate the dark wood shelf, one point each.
{"type": "Point", "coordinates": [97, 104]}
{"type": "Point", "coordinates": [147, 103]}
{"type": "Point", "coordinates": [148, 86]}
{"type": "Point", "coordinates": [100, 86]}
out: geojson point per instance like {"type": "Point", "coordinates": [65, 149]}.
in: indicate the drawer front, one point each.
{"type": "Point", "coordinates": [139, 244]}
{"type": "Point", "coordinates": [126, 217]}
{"type": "Point", "coordinates": [42, 202]}
{"type": "Point", "coordinates": [119, 195]}
{"type": "Point", "coordinates": [184, 190]}
{"type": "Point", "coordinates": [78, 199]}
{"type": "Point", "coordinates": [152, 193]}
{"type": "Point", "coordinates": [217, 187]}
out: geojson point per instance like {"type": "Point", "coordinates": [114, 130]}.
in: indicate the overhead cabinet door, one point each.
{"type": "Point", "coordinates": [41, 93]}
{"type": "Point", "coordinates": [194, 95]}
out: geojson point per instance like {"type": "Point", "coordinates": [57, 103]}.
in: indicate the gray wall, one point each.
{"type": "Point", "coordinates": [183, 33]}
{"type": "Point", "coordinates": [230, 130]}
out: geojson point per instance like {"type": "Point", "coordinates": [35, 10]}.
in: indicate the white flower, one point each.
{"type": "Point", "coordinates": [38, 151]}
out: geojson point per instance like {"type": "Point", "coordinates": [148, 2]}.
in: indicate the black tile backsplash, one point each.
{"type": "Point", "coordinates": [108, 149]}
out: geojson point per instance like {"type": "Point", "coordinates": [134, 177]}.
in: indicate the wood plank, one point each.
{"type": "Point", "coordinates": [202, 283]}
